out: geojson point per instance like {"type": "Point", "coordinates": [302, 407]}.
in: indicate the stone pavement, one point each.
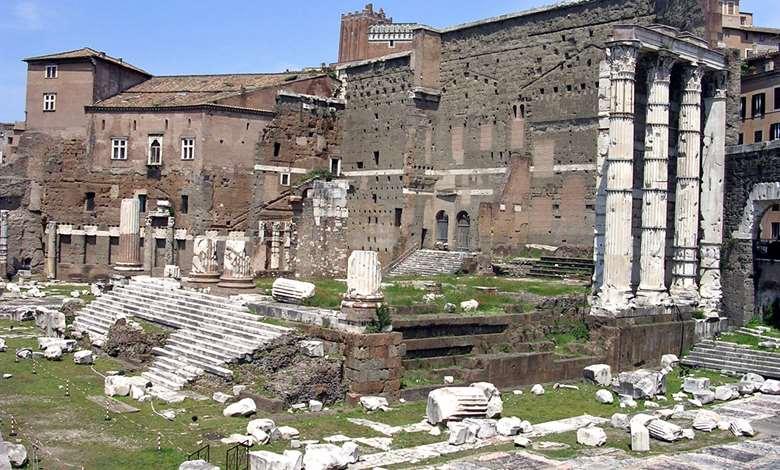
{"type": "Point", "coordinates": [762, 452]}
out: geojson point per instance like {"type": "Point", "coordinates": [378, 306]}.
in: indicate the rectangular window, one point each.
{"type": "Point", "coordinates": [184, 207]}
{"type": "Point", "coordinates": [777, 95]}
{"type": "Point", "coordinates": [774, 131]}
{"type": "Point", "coordinates": [187, 148]}
{"type": "Point", "coordinates": [376, 157]}
{"type": "Point", "coordinates": [89, 201]}
{"type": "Point", "coordinates": [743, 107]}
{"type": "Point", "coordinates": [118, 149]}
{"type": "Point", "coordinates": [142, 202]}
{"type": "Point", "coordinates": [398, 216]}
{"type": "Point", "coordinates": [49, 101]}
{"type": "Point", "coordinates": [277, 149]}
{"type": "Point", "coordinates": [758, 136]}
{"type": "Point", "coordinates": [51, 71]}
{"type": "Point", "coordinates": [741, 139]}
{"type": "Point", "coordinates": [155, 150]}
{"type": "Point", "coordinates": [758, 105]}
{"type": "Point", "coordinates": [284, 179]}
{"type": "Point", "coordinates": [335, 166]}
{"type": "Point", "coordinates": [776, 230]}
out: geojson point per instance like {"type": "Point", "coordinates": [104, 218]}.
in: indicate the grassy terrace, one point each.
{"type": "Point", "coordinates": [455, 289]}
{"type": "Point", "coordinates": [72, 430]}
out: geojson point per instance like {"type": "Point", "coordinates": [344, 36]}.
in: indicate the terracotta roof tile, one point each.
{"type": "Point", "coordinates": [86, 53]}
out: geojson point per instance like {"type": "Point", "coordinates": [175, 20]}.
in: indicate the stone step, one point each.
{"type": "Point", "coordinates": [176, 367]}
{"type": "Point", "coordinates": [729, 366]}
{"type": "Point", "coordinates": [726, 346]}
{"type": "Point", "coordinates": [430, 263]}
{"type": "Point", "coordinates": [447, 342]}
{"type": "Point", "coordinates": [206, 363]}
{"type": "Point", "coordinates": [733, 364]}
{"type": "Point", "coordinates": [227, 339]}
{"type": "Point", "coordinates": [185, 294]}
{"type": "Point", "coordinates": [207, 350]}
{"type": "Point", "coordinates": [181, 298]}
{"type": "Point", "coordinates": [758, 334]}
{"type": "Point", "coordinates": [166, 381]}
{"type": "Point", "coordinates": [735, 356]}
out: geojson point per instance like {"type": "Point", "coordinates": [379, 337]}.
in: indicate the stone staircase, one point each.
{"type": "Point", "coordinates": [431, 263]}
{"type": "Point", "coordinates": [720, 355]}
{"type": "Point", "coordinates": [551, 267]}
{"type": "Point", "coordinates": [210, 330]}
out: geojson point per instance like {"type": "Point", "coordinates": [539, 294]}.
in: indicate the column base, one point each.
{"type": "Point", "coordinates": [128, 267]}
{"type": "Point", "coordinates": [203, 278]}
{"type": "Point", "coordinates": [360, 312]}
{"type": "Point", "coordinates": [650, 298]}
{"type": "Point", "coordinates": [237, 282]}
{"type": "Point", "coordinates": [609, 302]}
{"type": "Point", "coordinates": [685, 295]}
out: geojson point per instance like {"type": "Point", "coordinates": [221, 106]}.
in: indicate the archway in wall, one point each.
{"type": "Point", "coordinates": [442, 227]}
{"type": "Point", "coordinates": [464, 230]}
{"type": "Point", "coordinates": [766, 263]}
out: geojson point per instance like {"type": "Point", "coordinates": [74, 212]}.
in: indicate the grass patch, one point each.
{"type": "Point", "coordinates": [744, 340]}
{"type": "Point", "coordinates": [64, 290]}
{"type": "Point", "coordinates": [413, 378]}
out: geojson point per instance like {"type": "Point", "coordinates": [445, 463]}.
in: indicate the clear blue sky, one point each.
{"type": "Point", "coordinates": [168, 37]}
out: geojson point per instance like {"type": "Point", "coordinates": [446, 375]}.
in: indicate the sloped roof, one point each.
{"type": "Point", "coordinates": [190, 90]}
{"type": "Point", "coordinates": [754, 29]}
{"type": "Point", "coordinates": [86, 53]}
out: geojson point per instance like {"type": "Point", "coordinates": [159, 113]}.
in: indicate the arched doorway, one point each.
{"type": "Point", "coordinates": [464, 229]}
{"type": "Point", "coordinates": [442, 227]}
{"type": "Point", "coordinates": [766, 259]}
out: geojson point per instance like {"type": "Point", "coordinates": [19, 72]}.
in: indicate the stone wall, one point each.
{"type": "Point", "coordinates": [752, 185]}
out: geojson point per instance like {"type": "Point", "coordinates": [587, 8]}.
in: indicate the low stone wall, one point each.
{"type": "Point", "coordinates": [372, 362]}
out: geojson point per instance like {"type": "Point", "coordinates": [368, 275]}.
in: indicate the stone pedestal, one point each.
{"type": "Point", "coordinates": [364, 288]}
{"type": "Point", "coordinates": [51, 250]}
{"type": "Point", "coordinates": [615, 293]}
{"type": "Point", "coordinates": [237, 267]}
{"type": "Point", "coordinates": [713, 158]}
{"type": "Point", "coordinates": [652, 287]}
{"type": "Point", "coordinates": [684, 289]}
{"type": "Point", "coordinates": [129, 256]}
{"type": "Point", "coordinates": [205, 265]}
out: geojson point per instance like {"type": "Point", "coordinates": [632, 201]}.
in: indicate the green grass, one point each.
{"type": "Point", "coordinates": [744, 340]}
{"type": "Point", "coordinates": [64, 290]}
{"type": "Point", "coordinates": [772, 331]}
{"type": "Point", "coordinates": [413, 378]}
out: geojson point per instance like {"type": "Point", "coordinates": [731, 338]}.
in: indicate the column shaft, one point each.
{"type": "Point", "coordinates": [652, 288]}
{"type": "Point", "coordinates": [713, 159]}
{"type": "Point", "coordinates": [615, 291]}
{"type": "Point", "coordinates": [51, 250]}
{"type": "Point", "coordinates": [684, 288]}
{"type": "Point", "coordinates": [129, 256]}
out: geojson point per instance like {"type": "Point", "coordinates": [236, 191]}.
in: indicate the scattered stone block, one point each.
{"type": "Point", "coordinates": [488, 388]}
{"type": "Point", "coordinates": [83, 357]}
{"type": "Point", "coordinates": [640, 419]}
{"type": "Point", "coordinates": [17, 453]}
{"type": "Point", "coordinates": [626, 401]}
{"type": "Point", "coordinates": [264, 460]}
{"type": "Point", "coordinates": [324, 457]}
{"type": "Point", "coordinates": [696, 384]}
{"type": "Point", "coordinates": [509, 426]}
{"type": "Point", "coordinates": [469, 305]}
{"type": "Point", "coordinates": [600, 374]}
{"type": "Point", "coordinates": [292, 291]}
{"type": "Point", "coordinates": [116, 385]}
{"type": "Point", "coordinates": [619, 421]}
{"type": "Point", "coordinates": [237, 389]}
{"type": "Point", "coordinates": [688, 434]}
{"type": "Point", "coordinates": [460, 433]}
{"type": "Point", "coordinates": [313, 348]}
{"type": "Point", "coordinates": [664, 430]}
{"type": "Point", "coordinates": [695, 402]}
{"type": "Point", "coordinates": [641, 384]}
{"type": "Point", "coordinates": [485, 428]}
{"type": "Point", "coordinates": [537, 389]}
{"type": "Point", "coordinates": [705, 421]}
{"type": "Point", "coordinates": [448, 379]}
{"type": "Point", "coordinates": [287, 433]}
{"type": "Point", "coordinates": [3, 347]}
{"type": "Point", "coordinates": [726, 392]}
{"type": "Point", "coordinates": [751, 377]}
{"type": "Point", "coordinates": [651, 404]}
{"type": "Point", "coordinates": [374, 403]}
{"type": "Point", "coordinates": [261, 425]}
{"type": "Point", "coordinates": [450, 307]}
{"type": "Point", "coordinates": [24, 353]}
{"type": "Point", "coordinates": [704, 396]}
{"type": "Point", "coordinates": [315, 406]}
{"type": "Point", "coordinates": [53, 353]}
{"type": "Point", "coordinates": [669, 360]}
{"type": "Point", "coordinates": [604, 396]}
{"type": "Point", "coordinates": [197, 465]}
{"type": "Point", "coordinates": [495, 407]}
{"type": "Point", "coordinates": [640, 438]}
{"type": "Point", "coordinates": [243, 407]}
{"type": "Point", "coordinates": [741, 427]}
{"type": "Point", "coordinates": [220, 397]}
{"type": "Point", "coordinates": [455, 402]}
{"type": "Point", "coordinates": [591, 436]}
{"type": "Point", "coordinates": [770, 387]}
{"type": "Point", "coordinates": [351, 451]}
{"type": "Point", "coordinates": [522, 441]}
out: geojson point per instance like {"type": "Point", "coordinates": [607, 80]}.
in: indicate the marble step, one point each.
{"type": "Point", "coordinates": [205, 363]}
{"type": "Point", "coordinates": [726, 346]}
{"type": "Point", "coordinates": [730, 366]}
{"type": "Point", "coordinates": [179, 299]}
{"type": "Point", "coordinates": [733, 356]}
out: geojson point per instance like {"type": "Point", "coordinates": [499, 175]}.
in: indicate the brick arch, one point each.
{"type": "Point", "coordinates": [760, 198]}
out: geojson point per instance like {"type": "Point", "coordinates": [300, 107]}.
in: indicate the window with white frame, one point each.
{"type": "Point", "coordinates": [49, 101]}
{"type": "Point", "coordinates": [51, 71]}
{"type": "Point", "coordinates": [155, 150]}
{"type": "Point", "coordinates": [187, 148]}
{"type": "Point", "coordinates": [284, 179]}
{"type": "Point", "coordinates": [118, 148]}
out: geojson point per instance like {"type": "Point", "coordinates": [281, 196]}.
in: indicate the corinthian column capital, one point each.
{"type": "Point", "coordinates": [622, 59]}
{"type": "Point", "coordinates": [691, 77]}
{"type": "Point", "coordinates": [661, 70]}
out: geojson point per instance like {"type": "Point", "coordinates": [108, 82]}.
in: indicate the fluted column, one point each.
{"type": "Point", "coordinates": [237, 269]}
{"type": "Point", "coordinates": [129, 256]}
{"type": "Point", "coordinates": [713, 157]}
{"type": "Point", "coordinates": [601, 159]}
{"type": "Point", "coordinates": [205, 265]}
{"type": "Point", "coordinates": [275, 245]}
{"type": "Point", "coordinates": [51, 250]}
{"type": "Point", "coordinates": [615, 293]}
{"type": "Point", "coordinates": [364, 276]}
{"type": "Point", "coordinates": [684, 287]}
{"type": "Point", "coordinates": [652, 287]}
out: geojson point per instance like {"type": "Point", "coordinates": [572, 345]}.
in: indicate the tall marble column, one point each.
{"type": "Point", "coordinates": [652, 286]}
{"type": "Point", "coordinates": [275, 245]}
{"type": "Point", "coordinates": [713, 157]}
{"type": "Point", "coordinates": [3, 243]}
{"type": "Point", "coordinates": [51, 250]}
{"type": "Point", "coordinates": [129, 256]}
{"type": "Point", "coordinates": [684, 287]}
{"type": "Point", "coordinates": [615, 293]}
{"type": "Point", "coordinates": [237, 270]}
{"type": "Point", "coordinates": [601, 159]}
{"type": "Point", "coordinates": [205, 265]}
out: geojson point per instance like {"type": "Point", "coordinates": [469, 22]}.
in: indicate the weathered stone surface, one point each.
{"type": "Point", "coordinates": [374, 403]}
{"type": "Point", "coordinates": [695, 384]}
{"type": "Point", "coordinates": [53, 353]}
{"type": "Point", "coordinates": [325, 457]}
{"type": "Point", "coordinates": [726, 392]}
{"type": "Point", "coordinates": [600, 374]}
{"type": "Point", "coordinates": [469, 305]}
{"type": "Point", "coordinates": [488, 388]}
{"type": "Point", "coordinates": [704, 422]}
{"type": "Point", "coordinates": [83, 357]}
{"type": "Point", "coordinates": [485, 428]}
{"type": "Point", "coordinates": [313, 348]}
{"type": "Point", "coordinates": [770, 387]}
{"type": "Point", "coordinates": [264, 460]}
{"type": "Point", "coordinates": [640, 438]}
{"type": "Point", "coordinates": [197, 465]}
{"type": "Point", "coordinates": [641, 383]}
{"type": "Point", "coordinates": [455, 402]}
{"type": "Point", "coordinates": [604, 396]}
{"type": "Point", "coordinates": [495, 407]}
{"type": "Point", "coordinates": [351, 451]}
{"type": "Point", "coordinates": [116, 385]}
{"type": "Point", "coordinates": [509, 426]}
{"type": "Point", "coordinates": [704, 396]}
{"type": "Point", "coordinates": [364, 276]}
{"type": "Point", "coordinates": [522, 441]}
{"type": "Point", "coordinates": [664, 430]}
{"type": "Point", "coordinates": [741, 427]}
{"type": "Point", "coordinates": [461, 433]}
{"type": "Point", "coordinates": [17, 453]}
{"type": "Point", "coordinates": [288, 432]}
{"type": "Point", "coordinates": [640, 419]}
{"type": "Point", "coordinates": [243, 407]}
{"type": "Point", "coordinates": [315, 406]}
{"type": "Point", "coordinates": [220, 397]}
{"type": "Point", "coordinates": [292, 291]}
{"type": "Point", "coordinates": [669, 360]}
{"type": "Point", "coordinates": [537, 389]}
{"type": "Point", "coordinates": [591, 436]}
{"type": "Point", "coordinates": [3, 347]}
{"type": "Point", "coordinates": [619, 421]}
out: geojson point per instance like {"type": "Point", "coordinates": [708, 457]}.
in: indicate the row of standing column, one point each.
{"type": "Point", "coordinates": [616, 290]}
